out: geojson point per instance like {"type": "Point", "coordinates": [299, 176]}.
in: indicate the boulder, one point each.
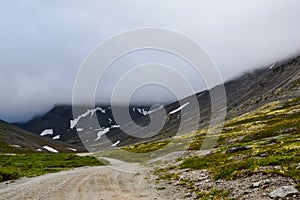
{"type": "Point", "coordinates": [256, 184]}
{"type": "Point", "coordinates": [237, 149]}
{"type": "Point", "coordinates": [284, 192]}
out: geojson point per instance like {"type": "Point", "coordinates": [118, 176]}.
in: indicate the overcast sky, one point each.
{"type": "Point", "coordinates": [43, 43]}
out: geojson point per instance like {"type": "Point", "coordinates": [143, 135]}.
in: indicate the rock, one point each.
{"type": "Point", "coordinates": [237, 149]}
{"type": "Point", "coordinates": [267, 181]}
{"type": "Point", "coordinates": [204, 152]}
{"type": "Point", "coordinates": [265, 186]}
{"type": "Point", "coordinates": [278, 167]}
{"type": "Point", "coordinates": [298, 167]}
{"type": "Point", "coordinates": [256, 184]}
{"type": "Point", "coordinates": [188, 195]}
{"type": "Point", "coordinates": [270, 116]}
{"type": "Point", "coordinates": [246, 192]}
{"type": "Point", "coordinates": [239, 139]}
{"type": "Point", "coordinates": [284, 192]}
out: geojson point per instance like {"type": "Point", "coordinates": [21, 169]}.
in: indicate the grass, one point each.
{"type": "Point", "coordinates": [168, 176]}
{"type": "Point", "coordinates": [146, 147]}
{"type": "Point", "coordinates": [6, 148]}
{"type": "Point", "coordinates": [272, 131]}
{"type": "Point", "coordinates": [284, 153]}
{"type": "Point", "coordinates": [143, 152]}
{"type": "Point", "coordinates": [161, 188]}
{"type": "Point", "coordinates": [214, 194]}
{"type": "Point", "coordinates": [225, 166]}
{"type": "Point", "coordinates": [16, 166]}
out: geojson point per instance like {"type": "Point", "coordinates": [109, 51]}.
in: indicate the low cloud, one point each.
{"type": "Point", "coordinates": [43, 43]}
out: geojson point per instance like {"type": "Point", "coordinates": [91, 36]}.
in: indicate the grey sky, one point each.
{"type": "Point", "coordinates": [44, 42]}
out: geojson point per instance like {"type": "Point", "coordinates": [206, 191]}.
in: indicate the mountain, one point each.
{"type": "Point", "coordinates": [279, 81]}
{"type": "Point", "coordinates": [58, 123]}
{"type": "Point", "coordinates": [16, 140]}
{"type": "Point", "coordinates": [257, 153]}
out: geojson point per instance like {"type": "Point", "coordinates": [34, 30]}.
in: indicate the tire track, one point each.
{"type": "Point", "coordinates": [88, 183]}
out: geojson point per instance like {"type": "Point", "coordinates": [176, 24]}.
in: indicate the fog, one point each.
{"type": "Point", "coordinates": [43, 43]}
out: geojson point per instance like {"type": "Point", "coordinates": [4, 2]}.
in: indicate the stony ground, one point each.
{"type": "Point", "coordinates": [190, 183]}
{"type": "Point", "coordinates": [131, 181]}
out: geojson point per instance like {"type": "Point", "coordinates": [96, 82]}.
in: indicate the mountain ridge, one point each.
{"type": "Point", "coordinates": [245, 93]}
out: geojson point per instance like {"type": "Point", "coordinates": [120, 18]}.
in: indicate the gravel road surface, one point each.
{"type": "Point", "coordinates": [86, 183]}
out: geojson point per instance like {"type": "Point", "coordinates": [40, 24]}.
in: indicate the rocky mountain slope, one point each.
{"type": "Point", "coordinates": [16, 140]}
{"type": "Point", "coordinates": [248, 92]}
{"type": "Point", "coordinates": [257, 154]}
{"type": "Point", "coordinates": [59, 123]}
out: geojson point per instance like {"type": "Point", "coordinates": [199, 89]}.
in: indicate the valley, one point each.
{"type": "Point", "coordinates": [255, 156]}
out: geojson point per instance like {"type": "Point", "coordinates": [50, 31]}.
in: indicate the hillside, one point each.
{"type": "Point", "coordinates": [16, 140]}
{"type": "Point", "coordinates": [257, 156]}
{"type": "Point", "coordinates": [60, 118]}
{"type": "Point", "coordinates": [278, 81]}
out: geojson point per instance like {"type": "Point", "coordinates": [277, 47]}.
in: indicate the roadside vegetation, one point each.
{"type": "Point", "coordinates": [271, 135]}
{"type": "Point", "coordinates": [265, 140]}
{"type": "Point", "coordinates": [30, 165]}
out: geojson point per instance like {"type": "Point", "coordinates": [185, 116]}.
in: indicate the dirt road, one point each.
{"type": "Point", "coordinates": [87, 183]}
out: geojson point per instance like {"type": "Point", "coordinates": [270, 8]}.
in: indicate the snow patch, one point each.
{"type": "Point", "coordinates": [100, 133]}
{"type": "Point", "coordinates": [223, 109]}
{"type": "Point", "coordinates": [178, 109]}
{"type": "Point", "coordinates": [152, 111]}
{"type": "Point", "coordinates": [50, 149]}
{"type": "Point", "coordinates": [15, 145]}
{"type": "Point", "coordinates": [39, 150]}
{"type": "Point", "coordinates": [56, 137]}
{"type": "Point", "coordinates": [79, 129]}
{"type": "Point", "coordinates": [97, 109]}
{"type": "Point", "coordinates": [90, 112]}
{"type": "Point", "coordinates": [105, 130]}
{"type": "Point", "coordinates": [272, 66]}
{"type": "Point", "coordinates": [201, 94]}
{"type": "Point", "coordinates": [72, 149]}
{"type": "Point", "coordinates": [115, 144]}
{"type": "Point", "coordinates": [47, 132]}
{"type": "Point", "coordinates": [143, 111]}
